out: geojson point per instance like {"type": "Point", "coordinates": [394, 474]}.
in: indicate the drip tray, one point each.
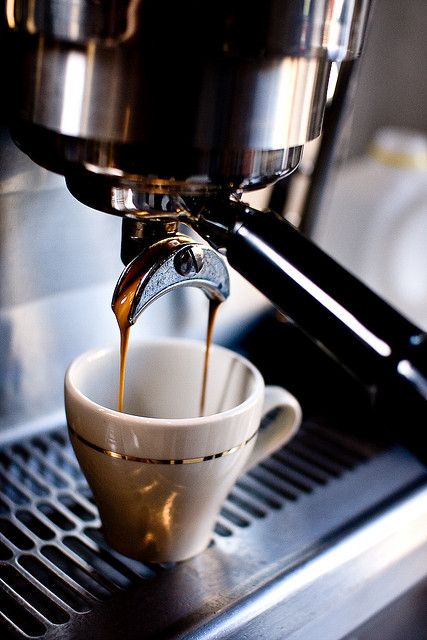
{"type": "Point", "coordinates": [304, 548]}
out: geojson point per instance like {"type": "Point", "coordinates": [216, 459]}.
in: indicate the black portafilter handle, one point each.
{"type": "Point", "coordinates": [380, 347]}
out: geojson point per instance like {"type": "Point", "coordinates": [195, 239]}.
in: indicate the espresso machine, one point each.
{"type": "Point", "coordinates": [167, 116]}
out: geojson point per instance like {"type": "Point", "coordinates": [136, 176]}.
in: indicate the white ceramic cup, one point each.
{"type": "Point", "coordinates": [159, 473]}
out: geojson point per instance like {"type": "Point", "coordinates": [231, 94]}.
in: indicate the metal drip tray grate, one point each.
{"type": "Point", "coordinates": [59, 578]}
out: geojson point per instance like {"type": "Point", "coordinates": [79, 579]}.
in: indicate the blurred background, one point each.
{"type": "Point", "coordinates": [372, 216]}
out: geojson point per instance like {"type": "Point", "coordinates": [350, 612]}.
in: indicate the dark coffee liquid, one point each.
{"type": "Point", "coordinates": [123, 303]}
{"type": "Point", "coordinates": [213, 308]}
{"type": "Point", "coordinates": [121, 310]}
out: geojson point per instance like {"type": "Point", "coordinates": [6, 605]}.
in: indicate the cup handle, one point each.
{"type": "Point", "coordinates": [281, 428]}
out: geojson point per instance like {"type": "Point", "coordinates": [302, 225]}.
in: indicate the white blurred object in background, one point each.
{"type": "Point", "coordinates": [374, 220]}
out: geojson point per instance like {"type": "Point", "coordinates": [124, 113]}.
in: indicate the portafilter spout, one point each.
{"type": "Point", "coordinates": [165, 264]}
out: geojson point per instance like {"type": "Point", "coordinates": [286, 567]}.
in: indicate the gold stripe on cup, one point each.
{"type": "Point", "coordinates": [130, 458]}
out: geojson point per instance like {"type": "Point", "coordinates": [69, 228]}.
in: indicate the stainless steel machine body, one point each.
{"type": "Point", "coordinates": [170, 97]}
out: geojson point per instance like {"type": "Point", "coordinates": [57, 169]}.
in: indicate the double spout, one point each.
{"type": "Point", "coordinates": [167, 260]}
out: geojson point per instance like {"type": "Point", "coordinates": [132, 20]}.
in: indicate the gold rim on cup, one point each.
{"type": "Point", "coordinates": [130, 458]}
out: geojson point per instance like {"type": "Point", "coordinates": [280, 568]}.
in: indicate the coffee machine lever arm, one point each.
{"type": "Point", "coordinates": [377, 344]}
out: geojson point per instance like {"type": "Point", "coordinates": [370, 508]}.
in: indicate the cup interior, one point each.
{"type": "Point", "coordinates": [164, 379]}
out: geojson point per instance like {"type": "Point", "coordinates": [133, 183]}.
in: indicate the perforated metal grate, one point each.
{"type": "Point", "coordinates": [54, 563]}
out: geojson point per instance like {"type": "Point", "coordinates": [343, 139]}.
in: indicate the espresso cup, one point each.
{"type": "Point", "coordinates": [159, 472]}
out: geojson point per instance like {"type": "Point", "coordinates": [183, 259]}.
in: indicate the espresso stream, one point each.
{"type": "Point", "coordinates": [213, 308]}
{"type": "Point", "coordinates": [122, 306]}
